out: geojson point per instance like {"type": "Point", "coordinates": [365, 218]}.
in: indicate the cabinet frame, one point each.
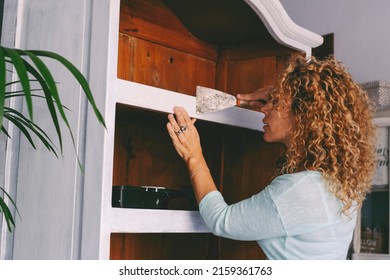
{"type": "Point", "coordinates": [84, 227]}
{"type": "Point", "coordinates": [152, 98]}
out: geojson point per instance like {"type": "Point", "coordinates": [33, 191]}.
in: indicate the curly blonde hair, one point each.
{"type": "Point", "coordinates": [335, 133]}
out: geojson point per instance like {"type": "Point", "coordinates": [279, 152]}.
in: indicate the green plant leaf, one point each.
{"type": "Point", "coordinates": [40, 74]}
{"type": "Point", "coordinates": [78, 75]}
{"type": "Point", "coordinates": [5, 209]}
{"type": "Point", "coordinates": [21, 127]}
{"type": "Point", "coordinates": [24, 124]}
{"type": "Point", "coordinates": [19, 65]}
{"type": "Point", "coordinates": [48, 98]}
{"type": "Point", "coordinates": [54, 93]}
{"type": "Point", "coordinates": [20, 93]}
{"type": "Point", "coordinates": [46, 90]}
{"type": "Point", "coordinates": [7, 214]}
{"type": "Point", "coordinates": [5, 131]}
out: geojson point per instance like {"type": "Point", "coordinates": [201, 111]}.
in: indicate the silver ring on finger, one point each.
{"type": "Point", "coordinates": [183, 128]}
{"type": "Point", "coordinates": [178, 132]}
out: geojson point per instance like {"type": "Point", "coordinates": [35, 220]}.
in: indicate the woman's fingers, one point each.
{"type": "Point", "coordinates": [182, 118]}
{"type": "Point", "coordinates": [181, 121]}
{"type": "Point", "coordinates": [184, 135]}
{"type": "Point", "coordinates": [178, 129]}
{"type": "Point", "coordinates": [259, 94]}
{"type": "Point", "coordinates": [186, 117]}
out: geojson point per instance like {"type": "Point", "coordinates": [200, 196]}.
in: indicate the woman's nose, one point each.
{"type": "Point", "coordinates": [265, 108]}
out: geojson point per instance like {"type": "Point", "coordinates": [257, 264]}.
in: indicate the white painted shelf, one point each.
{"type": "Point", "coordinates": [153, 98]}
{"type": "Point", "coordinates": [156, 221]}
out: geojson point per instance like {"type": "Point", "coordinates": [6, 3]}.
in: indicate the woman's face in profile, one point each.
{"type": "Point", "coordinates": [279, 121]}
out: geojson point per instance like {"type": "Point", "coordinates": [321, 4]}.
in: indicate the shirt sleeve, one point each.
{"type": "Point", "coordinates": [254, 218]}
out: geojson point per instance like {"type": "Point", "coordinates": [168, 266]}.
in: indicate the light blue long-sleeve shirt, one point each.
{"type": "Point", "coordinates": [295, 217]}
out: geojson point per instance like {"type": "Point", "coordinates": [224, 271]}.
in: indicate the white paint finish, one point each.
{"type": "Point", "coordinates": [47, 186]}
{"type": "Point", "coordinates": [100, 148]}
{"type": "Point", "coordinates": [360, 30]}
{"type": "Point", "coordinates": [282, 28]}
{"type": "Point", "coordinates": [9, 148]}
{"type": "Point", "coordinates": [161, 100]}
{"type": "Point", "coordinates": [153, 220]}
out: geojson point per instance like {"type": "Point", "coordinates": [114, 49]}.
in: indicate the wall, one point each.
{"type": "Point", "coordinates": [361, 32]}
{"type": "Point", "coordinates": [40, 182]}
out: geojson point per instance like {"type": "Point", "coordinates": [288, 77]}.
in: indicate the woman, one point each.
{"type": "Point", "coordinates": [324, 120]}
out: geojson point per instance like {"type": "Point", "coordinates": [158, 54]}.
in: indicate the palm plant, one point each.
{"type": "Point", "coordinates": [32, 70]}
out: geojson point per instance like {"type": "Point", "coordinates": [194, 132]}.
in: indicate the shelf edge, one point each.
{"type": "Point", "coordinates": [156, 221]}
{"type": "Point", "coordinates": [161, 100]}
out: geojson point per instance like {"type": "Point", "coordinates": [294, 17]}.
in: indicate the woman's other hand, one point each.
{"type": "Point", "coordinates": [184, 134]}
{"type": "Point", "coordinates": [258, 98]}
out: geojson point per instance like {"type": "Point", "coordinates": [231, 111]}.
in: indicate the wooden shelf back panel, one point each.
{"type": "Point", "coordinates": [151, 64]}
{"type": "Point", "coordinates": [162, 246]}
{"type": "Point", "coordinates": [144, 154]}
{"type": "Point", "coordinates": [153, 21]}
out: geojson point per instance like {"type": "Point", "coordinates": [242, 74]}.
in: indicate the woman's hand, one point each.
{"type": "Point", "coordinates": [186, 141]}
{"type": "Point", "coordinates": [258, 98]}
{"type": "Point", "coordinates": [184, 134]}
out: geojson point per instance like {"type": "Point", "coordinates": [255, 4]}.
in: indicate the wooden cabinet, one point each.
{"type": "Point", "coordinates": [142, 57]}
{"type": "Point", "coordinates": [240, 162]}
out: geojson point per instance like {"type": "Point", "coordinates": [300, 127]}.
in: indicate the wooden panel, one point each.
{"type": "Point", "coordinates": [160, 246]}
{"type": "Point", "coordinates": [143, 153]}
{"type": "Point", "coordinates": [248, 168]}
{"type": "Point", "coordinates": [252, 73]}
{"type": "Point", "coordinates": [125, 57]}
{"type": "Point", "coordinates": [155, 65]}
{"type": "Point", "coordinates": [253, 51]}
{"type": "Point", "coordinates": [249, 162]}
{"type": "Point", "coordinates": [154, 21]}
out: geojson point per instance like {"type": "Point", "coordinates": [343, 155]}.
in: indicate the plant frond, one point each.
{"type": "Point", "coordinates": [24, 124]}
{"type": "Point", "coordinates": [6, 211]}
{"type": "Point", "coordinates": [78, 76]}
{"type": "Point", "coordinates": [19, 65]}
